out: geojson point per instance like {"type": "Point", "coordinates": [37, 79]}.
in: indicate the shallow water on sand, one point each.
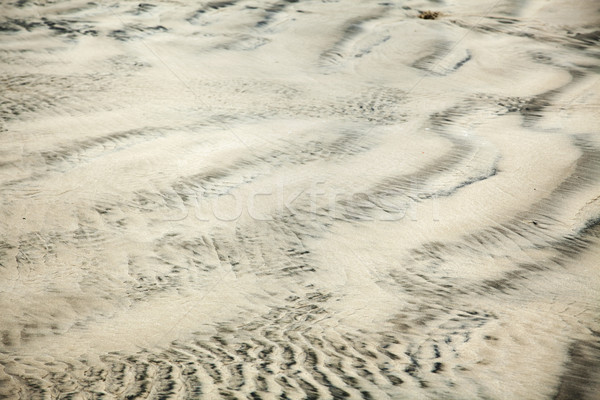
{"type": "Point", "coordinates": [299, 199]}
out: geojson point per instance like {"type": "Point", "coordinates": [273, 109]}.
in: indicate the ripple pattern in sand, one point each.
{"type": "Point", "coordinates": [299, 200]}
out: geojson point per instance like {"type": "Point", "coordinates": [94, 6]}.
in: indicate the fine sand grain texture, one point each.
{"type": "Point", "coordinates": [300, 199]}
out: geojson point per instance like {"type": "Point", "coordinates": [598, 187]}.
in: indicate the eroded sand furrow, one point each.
{"type": "Point", "coordinates": [350, 30]}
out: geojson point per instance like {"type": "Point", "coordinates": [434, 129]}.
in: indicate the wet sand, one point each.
{"type": "Point", "coordinates": [299, 199]}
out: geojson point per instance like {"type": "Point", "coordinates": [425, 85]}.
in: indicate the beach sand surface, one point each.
{"type": "Point", "coordinates": [299, 199]}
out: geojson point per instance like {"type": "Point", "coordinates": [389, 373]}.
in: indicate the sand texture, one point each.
{"type": "Point", "coordinates": [317, 199]}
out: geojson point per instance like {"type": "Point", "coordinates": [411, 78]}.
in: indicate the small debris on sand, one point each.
{"type": "Point", "coordinates": [429, 14]}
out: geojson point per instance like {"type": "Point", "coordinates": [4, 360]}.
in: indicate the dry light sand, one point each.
{"type": "Point", "coordinates": [299, 199]}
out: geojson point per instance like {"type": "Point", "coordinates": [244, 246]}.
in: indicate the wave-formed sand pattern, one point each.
{"type": "Point", "coordinates": [299, 200]}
